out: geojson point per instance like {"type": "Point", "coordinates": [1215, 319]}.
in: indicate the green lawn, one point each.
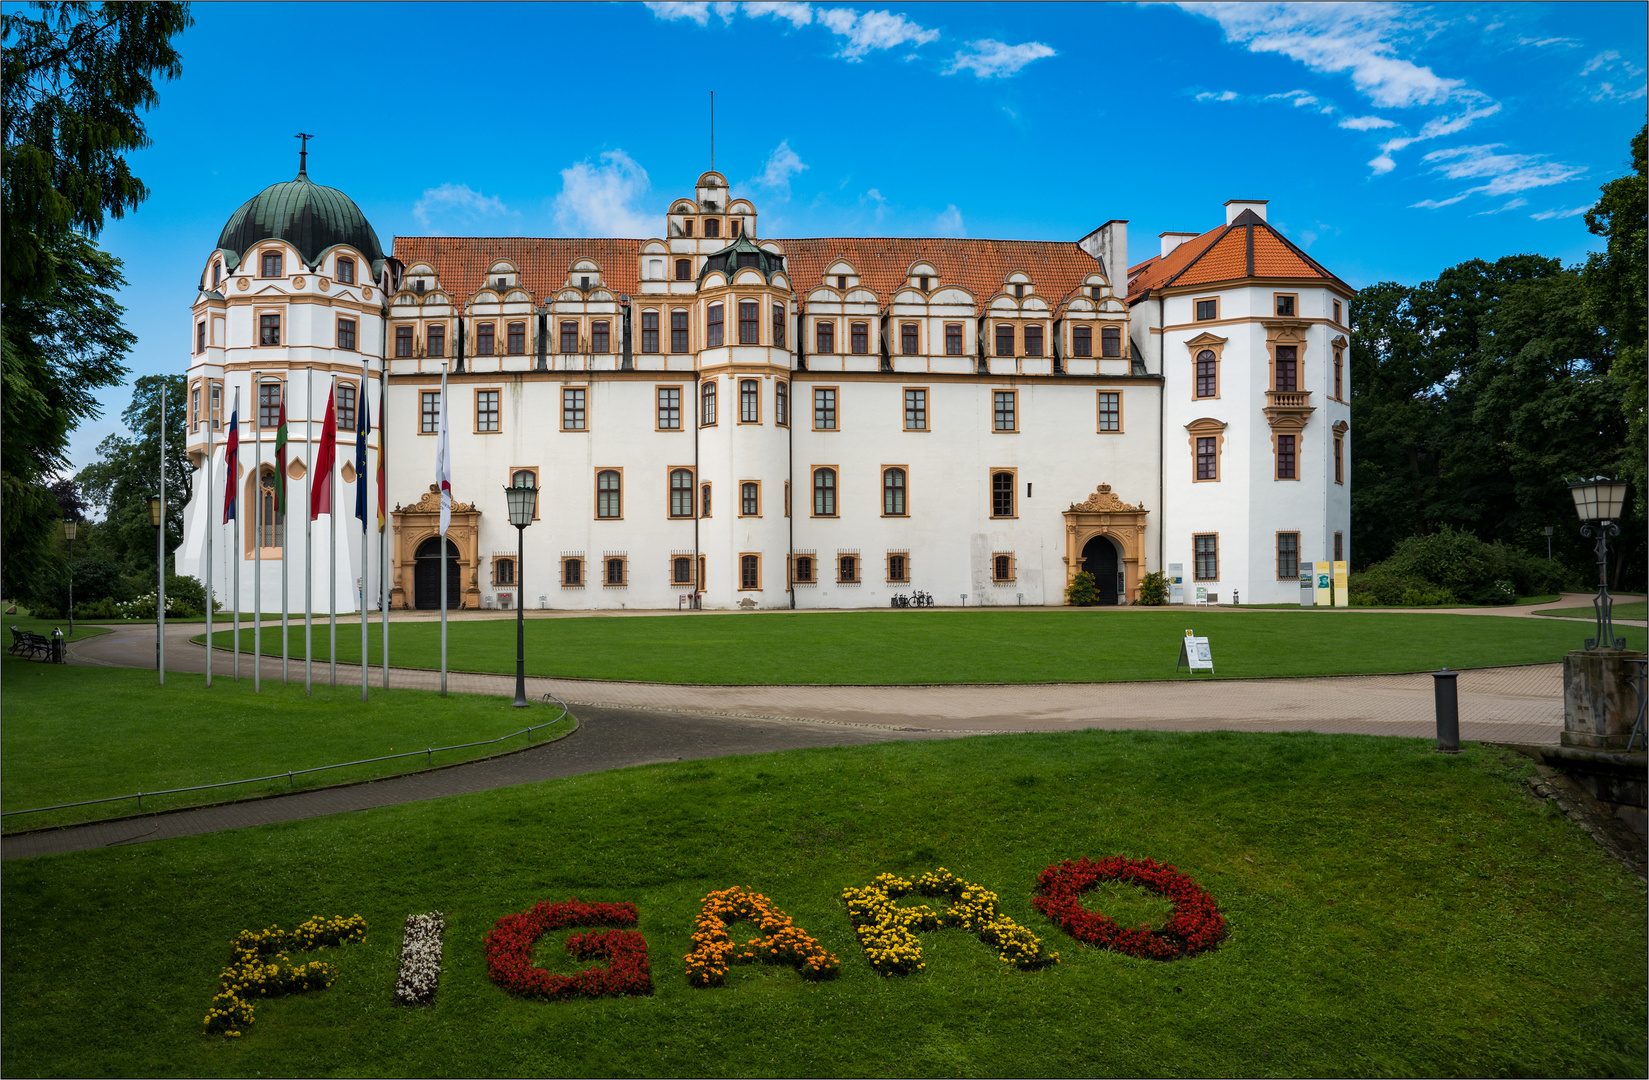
{"type": "Point", "coordinates": [1639, 610]}
{"type": "Point", "coordinates": [988, 646]}
{"type": "Point", "coordinates": [1392, 911]}
{"type": "Point", "coordinates": [75, 733]}
{"type": "Point", "coordinates": [44, 627]}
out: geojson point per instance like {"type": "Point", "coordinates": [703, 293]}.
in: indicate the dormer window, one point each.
{"type": "Point", "coordinates": [418, 286]}
{"type": "Point", "coordinates": [924, 283]}
{"type": "Point", "coordinates": [712, 227]}
{"type": "Point", "coordinates": [841, 281]}
{"type": "Point", "coordinates": [503, 283]}
{"type": "Point", "coordinates": [747, 258]}
{"type": "Point", "coordinates": [346, 271]}
{"type": "Point", "coordinates": [271, 264]}
{"type": "Point", "coordinates": [1093, 292]}
{"type": "Point", "coordinates": [1018, 291]}
{"type": "Point", "coordinates": [584, 282]}
{"type": "Point", "coordinates": [217, 273]}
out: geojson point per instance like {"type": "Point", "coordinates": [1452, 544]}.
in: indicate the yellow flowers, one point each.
{"type": "Point", "coordinates": [784, 942]}
{"type": "Point", "coordinates": [231, 1010]}
{"type": "Point", "coordinates": [888, 932]}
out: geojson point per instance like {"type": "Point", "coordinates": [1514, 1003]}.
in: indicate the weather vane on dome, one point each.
{"type": "Point", "coordinates": [303, 152]}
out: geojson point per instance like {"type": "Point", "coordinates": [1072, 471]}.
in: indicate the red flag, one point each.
{"type": "Point", "coordinates": [231, 463]}
{"type": "Point", "coordinates": [320, 488]}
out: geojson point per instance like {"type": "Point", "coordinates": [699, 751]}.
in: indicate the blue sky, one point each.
{"type": "Point", "coordinates": [1392, 140]}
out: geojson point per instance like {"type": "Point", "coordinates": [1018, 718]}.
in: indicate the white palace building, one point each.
{"type": "Point", "coordinates": [812, 423]}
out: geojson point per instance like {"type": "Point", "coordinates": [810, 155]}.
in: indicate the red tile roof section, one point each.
{"type": "Point", "coordinates": [1221, 254]}
{"type": "Point", "coordinates": [461, 262]}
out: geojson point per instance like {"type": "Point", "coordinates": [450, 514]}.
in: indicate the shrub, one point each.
{"type": "Point", "coordinates": [1452, 564]}
{"type": "Point", "coordinates": [1153, 589]}
{"type": "Point", "coordinates": [97, 609]}
{"type": "Point", "coordinates": [1082, 592]}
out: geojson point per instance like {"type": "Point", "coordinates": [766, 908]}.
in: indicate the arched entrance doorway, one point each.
{"type": "Point", "coordinates": [1099, 558]}
{"type": "Point", "coordinates": [426, 578]}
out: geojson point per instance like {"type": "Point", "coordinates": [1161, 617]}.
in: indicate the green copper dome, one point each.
{"type": "Point", "coordinates": [306, 215]}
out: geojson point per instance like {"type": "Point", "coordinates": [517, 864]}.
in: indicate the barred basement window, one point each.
{"type": "Point", "coordinates": [572, 573]}
{"type": "Point", "coordinates": [1002, 568]}
{"type": "Point", "coordinates": [403, 341]}
{"type": "Point", "coordinates": [503, 571]}
{"type": "Point", "coordinates": [435, 343]}
{"type": "Point", "coordinates": [681, 570]}
{"type": "Point", "coordinates": [898, 567]}
{"type": "Point", "coordinates": [1207, 555]}
{"type": "Point", "coordinates": [1288, 555]}
{"type": "Point", "coordinates": [486, 410]}
{"type": "Point", "coordinates": [649, 331]}
{"type": "Point", "coordinates": [483, 339]}
{"type": "Point", "coordinates": [804, 569]}
{"type": "Point", "coordinates": [516, 342]}
{"type": "Point", "coordinates": [1082, 341]}
{"type": "Point", "coordinates": [847, 569]}
{"type": "Point", "coordinates": [678, 331]}
{"type": "Point", "coordinates": [615, 571]}
{"type": "Point", "coordinates": [572, 408]}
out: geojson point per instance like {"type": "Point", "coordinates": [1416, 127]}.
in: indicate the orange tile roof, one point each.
{"type": "Point", "coordinates": [1056, 268]}
{"type": "Point", "coordinates": [1248, 247]}
{"type": "Point", "coordinates": [461, 262]}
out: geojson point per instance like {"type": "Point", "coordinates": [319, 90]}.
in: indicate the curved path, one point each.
{"type": "Point", "coordinates": [626, 724]}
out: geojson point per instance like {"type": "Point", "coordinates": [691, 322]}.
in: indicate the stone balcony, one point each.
{"type": "Point", "coordinates": [1288, 408]}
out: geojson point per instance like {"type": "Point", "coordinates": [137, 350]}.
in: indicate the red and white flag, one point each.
{"type": "Point", "coordinates": [443, 460]}
{"type": "Point", "coordinates": [320, 488]}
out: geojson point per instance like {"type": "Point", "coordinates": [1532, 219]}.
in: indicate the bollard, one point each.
{"type": "Point", "coordinates": [1448, 711]}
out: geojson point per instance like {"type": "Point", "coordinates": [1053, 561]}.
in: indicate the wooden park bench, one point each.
{"type": "Point", "coordinates": [32, 646]}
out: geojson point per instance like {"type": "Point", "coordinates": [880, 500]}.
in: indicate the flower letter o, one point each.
{"type": "Point", "coordinates": [1196, 925]}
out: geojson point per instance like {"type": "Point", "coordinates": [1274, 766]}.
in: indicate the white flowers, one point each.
{"type": "Point", "coordinates": [420, 958]}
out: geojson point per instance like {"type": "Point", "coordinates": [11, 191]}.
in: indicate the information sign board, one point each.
{"type": "Point", "coordinates": [1308, 584]}
{"type": "Point", "coordinates": [1195, 654]}
{"type": "Point", "coordinates": [1325, 585]}
{"type": "Point", "coordinates": [1342, 591]}
{"type": "Point", "coordinates": [1176, 583]}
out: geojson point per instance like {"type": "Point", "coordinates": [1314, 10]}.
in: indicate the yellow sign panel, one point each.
{"type": "Point", "coordinates": [1342, 591]}
{"type": "Point", "coordinates": [1325, 583]}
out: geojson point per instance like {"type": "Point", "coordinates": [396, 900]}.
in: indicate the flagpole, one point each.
{"type": "Point", "coordinates": [441, 451]}
{"type": "Point", "coordinates": [211, 508]}
{"type": "Point", "coordinates": [383, 518]}
{"type": "Point", "coordinates": [283, 519]}
{"type": "Point", "coordinates": [308, 532]}
{"type": "Point", "coordinates": [160, 593]}
{"type": "Point", "coordinates": [257, 534]}
{"type": "Point", "coordinates": [363, 425]}
{"type": "Point", "coordinates": [233, 482]}
{"type": "Point", "coordinates": [332, 542]}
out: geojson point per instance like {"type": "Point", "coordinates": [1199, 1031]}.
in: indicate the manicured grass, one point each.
{"type": "Point", "coordinates": [75, 733]}
{"type": "Point", "coordinates": [989, 646]}
{"type": "Point", "coordinates": [1530, 601]}
{"type": "Point", "coordinates": [44, 627]}
{"type": "Point", "coordinates": [1392, 911]}
{"type": "Point", "coordinates": [1639, 610]}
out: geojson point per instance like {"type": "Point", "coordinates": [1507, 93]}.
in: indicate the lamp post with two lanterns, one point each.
{"type": "Point", "coordinates": [1598, 504]}
{"type": "Point", "coordinates": [522, 497]}
{"type": "Point", "coordinates": [156, 507]}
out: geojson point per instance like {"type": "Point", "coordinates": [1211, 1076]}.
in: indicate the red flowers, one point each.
{"type": "Point", "coordinates": [1195, 926]}
{"type": "Point", "coordinates": [510, 944]}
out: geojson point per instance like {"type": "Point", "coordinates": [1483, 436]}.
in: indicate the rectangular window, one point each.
{"type": "Point", "coordinates": [750, 572]}
{"type": "Point", "coordinates": [269, 406]}
{"type": "Point", "coordinates": [200, 337]}
{"type": "Point", "coordinates": [1110, 341]}
{"type": "Point", "coordinates": [1288, 556]}
{"type": "Point", "coordinates": [803, 571]}
{"type": "Point", "coordinates": [1339, 459]}
{"type": "Point", "coordinates": [436, 340]}
{"type": "Point", "coordinates": [614, 577]}
{"type": "Point", "coordinates": [1208, 466]}
{"type": "Point", "coordinates": [1339, 547]}
{"type": "Point", "coordinates": [569, 337]}
{"type": "Point", "coordinates": [1337, 321]}
{"type": "Point", "coordinates": [1340, 374]}
{"type": "Point", "coordinates": [346, 271]}
{"type": "Point", "coordinates": [704, 500]}
{"type": "Point", "coordinates": [669, 408]}
{"type": "Point", "coordinates": [1285, 305]}
{"type": "Point", "coordinates": [750, 499]}
{"type": "Point", "coordinates": [1004, 339]}
{"type": "Point", "coordinates": [898, 567]}
{"type": "Point", "coordinates": [707, 403]}
{"type": "Point", "coordinates": [269, 329]}
{"type": "Point", "coordinates": [572, 408]}
{"type": "Point", "coordinates": [861, 338]}
{"type": "Point", "coordinates": [609, 494]}
{"type": "Point", "coordinates": [847, 569]}
{"type": "Point", "coordinates": [894, 492]}
{"type": "Point", "coordinates": [908, 338]}
{"type": "Point", "coordinates": [781, 403]}
{"type": "Point", "coordinates": [1206, 549]}
{"type": "Point", "coordinates": [1207, 374]}
{"type": "Point", "coordinates": [684, 267]}
{"type": "Point", "coordinates": [346, 334]}
{"type": "Point", "coordinates": [1002, 494]}
{"type": "Point", "coordinates": [346, 406]}
{"type": "Point", "coordinates": [824, 492]}
{"type": "Point", "coordinates": [517, 339]}
{"type": "Point", "coordinates": [1082, 341]}
{"type": "Point", "coordinates": [750, 401]}
{"type": "Point", "coordinates": [217, 405]}
{"type": "Point", "coordinates": [916, 408]}
{"type": "Point", "coordinates": [824, 408]}
{"type": "Point", "coordinates": [1033, 340]}
{"type": "Point", "coordinates": [681, 570]}
{"type": "Point", "coordinates": [749, 323]}
{"type": "Point", "coordinates": [572, 572]}
{"type": "Point", "coordinates": [483, 339]}
{"type": "Point", "coordinates": [601, 337]}
{"type": "Point", "coordinates": [1207, 309]}
{"type": "Point", "coordinates": [681, 493]}
{"type": "Point", "coordinates": [953, 339]}
{"type": "Point", "coordinates": [403, 341]}
{"type": "Point", "coordinates": [1110, 411]}
{"type": "Point", "coordinates": [1003, 411]}
{"type": "Point", "coordinates": [429, 412]}
{"type": "Point", "coordinates": [486, 410]}
{"type": "Point", "coordinates": [1287, 368]}
{"type": "Point", "coordinates": [824, 335]}
{"type": "Point", "coordinates": [271, 264]}
{"type": "Point", "coordinates": [1285, 457]}
{"type": "Point", "coordinates": [649, 331]}
{"type": "Point", "coordinates": [194, 408]}
{"type": "Point", "coordinates": [713, 327]}
{"type": "Point", "coordinates": [503, 571]}
{"type": "Point", "coordinates": [678, 331]}
{"type": "Point", "coordinates": [778, 326]}
{"type": "Point", "coordinates": [787, 498]}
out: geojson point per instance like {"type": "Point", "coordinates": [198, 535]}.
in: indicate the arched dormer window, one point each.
{"type": "Point", "coordinates": [271, 264]}
{"type": "Point", "coordinates": [346, 271]}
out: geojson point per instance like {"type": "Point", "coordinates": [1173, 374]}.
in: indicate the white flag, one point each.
{"type": "Point", "coordinates": [443, 461]}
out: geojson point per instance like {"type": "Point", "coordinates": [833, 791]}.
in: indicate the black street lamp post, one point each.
{"type": "Point", "coordinates": [523, 501]}
{"type": "Point", "coordinates": [70, 527]}
{"type": "Point", "coordinates": [1598, 502]}
{"type": "Point", "coordinates": [160, 586]}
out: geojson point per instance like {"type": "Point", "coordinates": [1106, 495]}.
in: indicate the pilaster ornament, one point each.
{"type": "Point", "coordinates": [1104, 501]}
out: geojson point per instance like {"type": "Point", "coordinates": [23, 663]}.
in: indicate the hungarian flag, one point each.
{"type": "Point", "coordinates": [363, 427]}
{"type": "Point", "coordinates": [381, 448]}
{"type": "Point", "coordinates": [280, 460]}
{"type": "Point", "coordinates": [231, 465]}
{"type": "Point", "coordinates": [320, 489]}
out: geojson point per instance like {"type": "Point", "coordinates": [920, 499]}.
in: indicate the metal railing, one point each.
{"type": "Point", "coordinates": [429, 758]}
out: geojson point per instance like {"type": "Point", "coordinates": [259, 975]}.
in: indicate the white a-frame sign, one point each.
{"type": "Point", "coordinates": [1194, 654]}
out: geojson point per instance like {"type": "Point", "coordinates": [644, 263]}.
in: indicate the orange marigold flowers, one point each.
{"type": "Point", "coordinates": [783, 942]}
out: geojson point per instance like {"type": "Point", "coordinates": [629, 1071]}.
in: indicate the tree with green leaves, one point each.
{"type": "Point", "coordinates": [75, 79]}
{"type": "Point", "coordinates": [127, 472]}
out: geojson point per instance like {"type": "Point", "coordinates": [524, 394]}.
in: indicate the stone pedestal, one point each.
{"type": "Point", "coordinates": [1600, 702]}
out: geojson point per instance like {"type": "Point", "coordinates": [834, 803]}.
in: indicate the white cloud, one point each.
{"type": "Point", "coordinates": [782, 164]}
{"type": "Point", "coordinates": [1612, 64]}
{"type": "Point", "coordinates": [798, 15]}
{"type": "Point", "coordinates": [877, 200]}
{"type": "Point", "coordinates": [873, 30]}
{"type": "Point", "coordinates": [1548, 215]}
{"type": "Point", "coordinates": [1601, 60]}
{"type": "Point", "coordinates": [1296, 97]}
{"type": "Point", "coordinates": [1382, 164]}
{"type": "Point", "coordinates": [1223, 95]}
{"type": "Point", "coordinates": [601, 199]}
{"type": "Point", "coordinates": [1506, 174]}
{"type": "Point", "coordinates": [992, 59]}
{"type": "Point", "coordinates": [1366, 123]}
{"type": "Point", "coordinates": [1541, 43]}
{"type": "Point", "coordinates": [1436, 204]}
{"type": "Point", "coordinates": [454, 206]}
{"type": "Point", "coordinates": [1513, 205]}
{"type": "Point", "coordinates": [949, 223]}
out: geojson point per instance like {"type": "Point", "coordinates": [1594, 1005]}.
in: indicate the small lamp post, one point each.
{"type": "Point", "coordinates": [70, 527]}
{"type": "Point", "coordinates": [523, 500]}
{"type": "Point", "coordinates": [1597, 503]}
{"type": "Point", "coordinates": [1550, 529]}
{"type": "Point", "coordinates": [160, 586]}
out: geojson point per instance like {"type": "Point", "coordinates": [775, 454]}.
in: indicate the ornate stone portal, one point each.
{"type": "Point", "coordinates": [416, 523]}
{"type": "Point", "coordinates": [1105, 514]}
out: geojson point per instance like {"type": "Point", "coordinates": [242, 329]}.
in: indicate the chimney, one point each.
{"type": "Point", "coordinates": [1109, 244]}
{"type": "Point", "coordinates": [1234, 207]}
{"type": "Point", "coordinates": [1172, 240]}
